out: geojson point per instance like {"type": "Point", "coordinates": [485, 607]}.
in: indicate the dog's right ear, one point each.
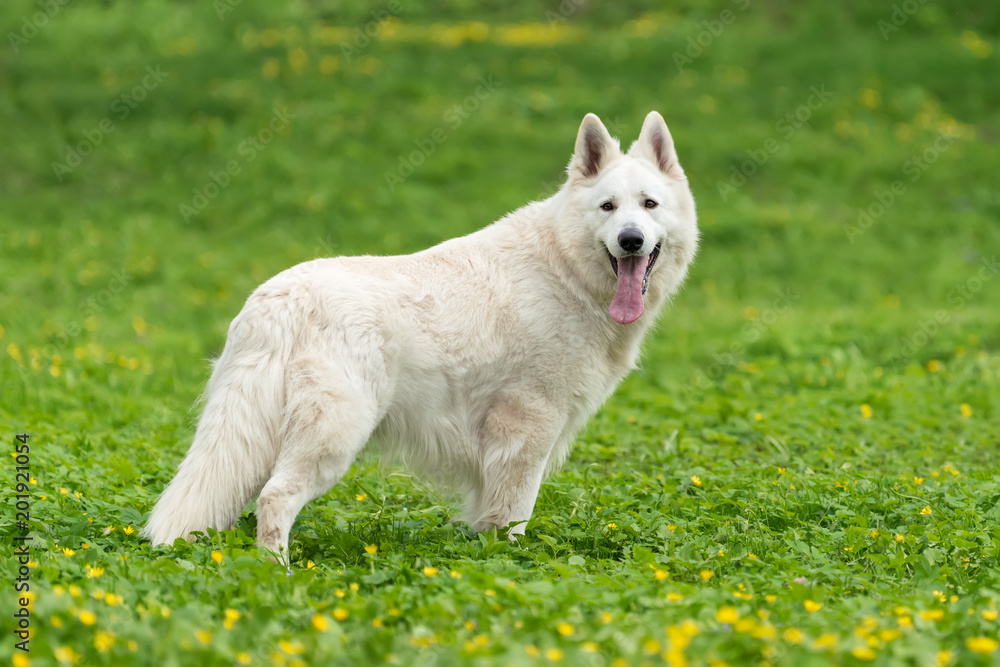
{"type": "Point", "coordinates": [594, 149]}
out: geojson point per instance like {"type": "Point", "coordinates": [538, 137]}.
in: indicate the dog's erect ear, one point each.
{"type": "Point", "coordinates": [594, 148]}
{"type": "Point", "coordinates": [656, 145]}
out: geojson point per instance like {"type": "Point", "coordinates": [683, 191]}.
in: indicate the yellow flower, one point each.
{"type": "Point", "coordinates": [869, 97]}
{"type": "Point", "coordinates": [489, 592]}
{"type": "Point", "coordinates": [340, 614]}
{"type": "Point", "coordinates": [65, 654]}
{"type": "Point", "coordinates": [918, 480]}
{"type": "Point", "coordinates": [606, 617]}
{"type": "Point", "coordinates": [103, 641]}
{"type": "Point", "coordinates": [554, 654]}
{"type": "Point", "coordinates": [696, 480]}
{"type": "Point", "coordinates": [291, 648]}
{"type": "Point", "coordinates": [943, 658]}
{"type": "Point", "coordinates": [204, 636]}
{"type": "Point", "coordinates": [377, 623]}
{"type": "Point", "coordinates": [310, 565]}
{"type": "Point", "coordinates": [565, 629]}
{"type": "Point", "coordinates": [757, 416]}
{"type": "Point", "coordinates": [354, 586]}
{"type": "Point", "coordinates": [128, 530]}
{"type": "Point", "coordinates": [966, 410]}
{"type": "Point", "coordinates": [770, 598]}
{"type": "Point", "coordinates": [721, 552]}
{"type": "Point", "coordinates": [361, 496]}
{"type": "Point", "coordinates": [727, 614]}
{"type": "Point", "coordinates": [932, 614]}
{"type": "Point", "coordinates": [887, 634]}
{"type": "Point", "coordinates": [812, 606]}
{"type": "Point", "coordinates": [67, 551]}
{"type": "Point", "coordinates": [899, 537]}
{"type": "Point", "coordinates": [926, 510]}
{"type": "Point", "coordinates": [19, 659]}
{"type": "Point", "coordinates": [217, 556]}
{"type": "Point", "coordinates": [320, 623]}
{"type": "Point", "coordinates": [752, 555]}
{"type": "Point", "coordinates": [866, 411]}
{"type": "Point", "coordinates": [660, 575]}
{"type": "Point", "coordinates": [981, 644]}
{"type": "Point", "coordinates": [793, 636]}
{"type": "Point", "coordinates": [613, 526]}
{"type": "Point", "coordinates": [532, 650]}
{"type": "Point", "coordinates": [651, 647]}
{"type": "Point", "coordinates": [671, 527]}
{"type": "Point", "coordinates": [243, 658]}
{"type": "Point", "coordinates": [827, 640]}
{"type": "Point", "coordinates": [863, 653]}
{"type": "Point", "coordinates": [674, 597]}
{"type": "Point", "coordinates": [989, 614]}
{"type": "Point", "coordinates": [94, 572]}
{"type": "Point", "coordinates": [371, 549]}
{"type": "Point", "coordinates": [590, 647]}
{"type": "Point", "coordinates": [88, 617]}
{"type": "Point", "coordinates": [706, 574]}
{"type": "Point", "coordinates": [232, 615]}
{"type": "Point", "coordinates": [113, 599]}
{"type": "Point", "coordinates": [934, 365]}
{"type": "Point", "coordinates": [430, 571]}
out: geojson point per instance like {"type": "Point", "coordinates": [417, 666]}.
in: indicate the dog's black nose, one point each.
{"type": "Point", "coordinates": [630, 239]}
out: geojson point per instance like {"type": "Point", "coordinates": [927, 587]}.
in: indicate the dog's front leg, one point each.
{"type": "Point", "coordinates": [515, 441]}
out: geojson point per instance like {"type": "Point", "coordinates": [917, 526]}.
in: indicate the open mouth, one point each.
{"type": "Point", "coordinates": [632, 272]}
{"type": "Point", "coordinates": [649, 267]}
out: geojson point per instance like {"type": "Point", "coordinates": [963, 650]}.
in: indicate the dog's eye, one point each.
{"type": "Point", "coordinates": [649, 203]}
{"type": "Point", "coordinates": [607, 206]}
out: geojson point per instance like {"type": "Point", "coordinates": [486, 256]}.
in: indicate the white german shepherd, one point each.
{"type": "Point", "coordinates": [475, 361]}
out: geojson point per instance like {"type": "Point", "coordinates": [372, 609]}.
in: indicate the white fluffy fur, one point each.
{"type": "Point", "coordinates": [475, 361]}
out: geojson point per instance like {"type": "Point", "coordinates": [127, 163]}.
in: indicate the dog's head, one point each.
{"type": "Point", "coordinates": [638, 213]}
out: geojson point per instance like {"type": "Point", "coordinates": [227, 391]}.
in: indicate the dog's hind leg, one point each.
{"type": "Point", "coordinates": [327, 422]}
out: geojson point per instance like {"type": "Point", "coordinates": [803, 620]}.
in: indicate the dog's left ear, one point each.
{"type": "Point", "coordinates": [656, 145]}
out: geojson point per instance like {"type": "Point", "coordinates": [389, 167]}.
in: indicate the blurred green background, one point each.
{"type": "Point", "coordinates": [320, 186]}
{"type": "Point", "coordinates": [843, 157]}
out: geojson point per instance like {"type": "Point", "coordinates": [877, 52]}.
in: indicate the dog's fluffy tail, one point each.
{"type": "Point", "coordinates": [236, 442]}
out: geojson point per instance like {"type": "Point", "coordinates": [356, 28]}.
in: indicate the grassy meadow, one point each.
{"type": "Point", "coordinates": [803, 472]}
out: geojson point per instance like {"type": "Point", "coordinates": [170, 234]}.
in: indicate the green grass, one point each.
{"type": "Point", "coordinates": [804, 471]}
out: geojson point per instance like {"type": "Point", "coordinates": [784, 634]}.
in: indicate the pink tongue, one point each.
{"type": "Point", "coordinates": [627, 305]}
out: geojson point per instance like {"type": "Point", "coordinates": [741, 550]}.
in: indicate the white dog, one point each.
{"type": "Point", "coordinates": [475, 361]}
